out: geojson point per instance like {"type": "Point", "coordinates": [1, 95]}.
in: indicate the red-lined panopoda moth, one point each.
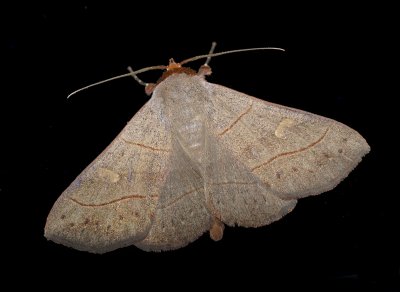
{"type": "Point", "coordinates": [198, 156]}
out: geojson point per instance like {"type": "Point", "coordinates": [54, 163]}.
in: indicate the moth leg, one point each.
{"type": "Point", "coordinates": [217, 229]}
{"type": "Point", "coordinates": [148, 87]}
{"type": "Point", "coordinates": [205, 69]}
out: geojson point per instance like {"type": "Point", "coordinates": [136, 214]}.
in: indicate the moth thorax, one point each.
{"type": "Point", "coordinates": [191, 137]}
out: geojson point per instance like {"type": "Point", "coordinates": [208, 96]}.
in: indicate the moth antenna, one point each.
{"type": "Point", "coordinates": [132, 73]}
{"type": "Point", "coordinates": [228, 52]}
{"type": "Point", "coordinates": [213, 45]}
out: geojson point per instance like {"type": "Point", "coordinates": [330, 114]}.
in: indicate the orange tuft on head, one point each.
{"type": "Point", "coordinates": [173, 65]}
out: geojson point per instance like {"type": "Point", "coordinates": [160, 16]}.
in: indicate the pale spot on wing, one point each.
{"type": "Point", "coordinates": [280, 131]}
{"type": "Point", "coordinates": [108, 175]}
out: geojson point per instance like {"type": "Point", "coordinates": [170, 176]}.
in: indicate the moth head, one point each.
{"type": "Point", "coordinates": [175, 68]}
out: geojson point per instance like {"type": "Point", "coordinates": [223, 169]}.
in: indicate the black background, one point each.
{"type": "Point", "coordinates": [343, 240]}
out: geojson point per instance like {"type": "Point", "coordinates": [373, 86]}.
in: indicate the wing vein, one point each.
{"type": "Point", "coordinates": [178, 198]}
{"type": "Point", "coordinates": [130, 197]}
{"type": "Point", "coordinates": [292, 152]}
{"type": "Point", "coordinates": [145, 146]}
{"type": "Point", "coordinates": [237, 120]}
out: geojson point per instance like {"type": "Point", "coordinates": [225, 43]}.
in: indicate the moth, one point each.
{"type": "Point", "coordinates": [196, 157]}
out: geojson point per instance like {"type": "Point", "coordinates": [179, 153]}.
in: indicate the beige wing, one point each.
{"type": "Point", "coordinates": [235, 195]}
{"type": "Point", "coordinates": [112, 203]}
{"type": "Point", "coordinates": [265, 156]}
{"type": "Point", "coordinates": [294, 153]}
{"type": "Point", "coordinates": [181, 215]}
